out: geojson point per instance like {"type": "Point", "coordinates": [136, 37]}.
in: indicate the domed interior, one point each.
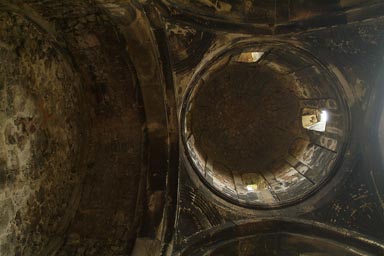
{"type": "Point", "coordinates": [92, 95]}
{"type": "Point", "coordinates": [264, 125]}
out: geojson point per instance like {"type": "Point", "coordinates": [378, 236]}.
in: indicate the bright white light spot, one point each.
{"type": "Point", "coordinates": [324, 116]}
{"type": "Point", "coordinates": [252, 187]}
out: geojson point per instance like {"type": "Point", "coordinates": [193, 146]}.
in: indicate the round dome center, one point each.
{"type": "Point", "coordinates": [245, 117]}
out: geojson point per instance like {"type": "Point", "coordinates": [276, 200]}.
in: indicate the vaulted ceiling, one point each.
{"type": "Point", "coordinates": [161, 127]}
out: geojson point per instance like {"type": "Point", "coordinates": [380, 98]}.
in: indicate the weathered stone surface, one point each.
{"type": "Point", "coordinates": [71, 132]}
{"type": "Point", "coordinates": [40, 122]}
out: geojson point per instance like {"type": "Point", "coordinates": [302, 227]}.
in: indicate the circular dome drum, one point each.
{"type": "Point", "coordinates": [264, 125]}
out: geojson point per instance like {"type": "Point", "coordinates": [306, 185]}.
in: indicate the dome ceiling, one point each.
{"type": "Point", "coordinates": [245, 124]}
